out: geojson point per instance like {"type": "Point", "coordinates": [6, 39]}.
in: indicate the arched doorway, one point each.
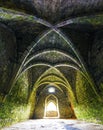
{"type": "Point", "coordinates": [51, 107]}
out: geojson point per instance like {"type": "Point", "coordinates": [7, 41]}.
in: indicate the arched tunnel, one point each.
{"type": "Point", "coordinates": [51, 60]}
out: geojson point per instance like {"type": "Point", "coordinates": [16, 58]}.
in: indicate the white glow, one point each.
{"type": "Point", "coordinates": [51, 90]}
{"type": "Point", "coordinates": [51, 107]}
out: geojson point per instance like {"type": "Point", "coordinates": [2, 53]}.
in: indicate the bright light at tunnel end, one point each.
{"type": "Point", "coordinates": [51, 90]}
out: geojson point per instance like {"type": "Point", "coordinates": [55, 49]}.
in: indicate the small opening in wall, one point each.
{"type": "Point", "coordinates": [51, 90]}
{"type": "Point", "coordinates": [51, 107]}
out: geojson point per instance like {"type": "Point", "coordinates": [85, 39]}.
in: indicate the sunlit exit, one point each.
{"type": "Point", "coordinates": [51, 107]}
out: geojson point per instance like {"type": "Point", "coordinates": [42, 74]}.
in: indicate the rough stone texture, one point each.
{"type": "Point", "coordinates": [72, 29]}
{"type": "Point", "coordinates": [64, 105]}
{"type": "Point", "coordinates": [96, 63]}
{"type": "Point", "coordinates": [7, 56]}
{"type": "Point", "coordinates": [81, 39]}
{"type": "Point", "coordinates": [57, 10]}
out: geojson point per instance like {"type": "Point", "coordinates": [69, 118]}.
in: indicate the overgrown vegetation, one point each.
{"type": "Point", "coordinates": [91, 113]}
{"type": "Point", "coordinates": [11, 113]}
{"type": "Point", "coordinates": [16, 108]}
{"type": "Point", "coordinates": [89, 107]}
{"type": "Point", "coordinates": [19, 104]}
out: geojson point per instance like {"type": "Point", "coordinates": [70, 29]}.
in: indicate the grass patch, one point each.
{"type": "Point", "coordinates": [91, 113]}
{"type": "Point", "coordinates": [11, 113]}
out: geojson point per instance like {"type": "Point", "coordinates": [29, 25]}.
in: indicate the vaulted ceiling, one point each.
{"type": "Point", "coordinates": [53, 37]}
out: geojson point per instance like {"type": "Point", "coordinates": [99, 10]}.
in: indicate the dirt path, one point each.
{"type": "Point", "coordinates": [54, 124]}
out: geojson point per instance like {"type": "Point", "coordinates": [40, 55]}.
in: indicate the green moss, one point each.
{"type": "Point", "coordinates": [88, 108]}
{"type": "Point", "coordinates": [91, 113]}
{"type": "Point", "coordinates": [11, 113]}
{"type": "Point", "coordinates": [32, 101]}
{"type": "Point", "coordinates": [93, 20]}
{"type": "Point", "coordinates": [7, 14]}
{"type": "Point", "coordinates": [16, 107]}
{"type": "Point", "coordinates": [19, 93]}
{"type": "Point", "coordinates": [85, 92]}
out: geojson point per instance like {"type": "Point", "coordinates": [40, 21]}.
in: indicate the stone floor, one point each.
{"type": "Point", "coordinates": [54, 124]}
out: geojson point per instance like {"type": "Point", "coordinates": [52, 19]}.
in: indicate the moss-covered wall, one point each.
{"type": "Point", "coordinates": [89, 105]}
{"type": "Point", "coordinates": [18, 31]}
{"type": "Point", "coordinates": [7, 57]}
{"type": "Point", "coordinates": [17, 106]}
{"type": "Point", "coordinates": [97, 61]}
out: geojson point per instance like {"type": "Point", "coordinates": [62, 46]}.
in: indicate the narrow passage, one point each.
{"type": "Point", "coordinates": [54, 124]}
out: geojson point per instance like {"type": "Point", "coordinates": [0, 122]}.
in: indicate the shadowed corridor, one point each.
{"type": "Point", "coordinates": [51, 64]}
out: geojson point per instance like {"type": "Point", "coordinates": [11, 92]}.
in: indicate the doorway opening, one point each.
{"type": "Point", "coordinates": [51, 107]}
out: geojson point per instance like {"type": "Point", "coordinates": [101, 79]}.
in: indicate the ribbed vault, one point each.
{"type": "Point", "coordinates": [51, 47]}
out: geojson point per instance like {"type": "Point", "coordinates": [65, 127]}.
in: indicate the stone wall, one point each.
{"type": "Point", "coordinates": [63, 104]}
{"type": "Point", "coordinates": [97, 59]}
{"type": "Point", "coordinates": [7, 56]}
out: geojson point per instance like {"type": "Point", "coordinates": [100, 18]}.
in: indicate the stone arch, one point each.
{"type": "Point", "coordinates": [51, 113]}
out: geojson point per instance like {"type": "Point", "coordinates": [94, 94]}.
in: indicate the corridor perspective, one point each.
{"type": "Point", "coordinates": [51, 64]}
